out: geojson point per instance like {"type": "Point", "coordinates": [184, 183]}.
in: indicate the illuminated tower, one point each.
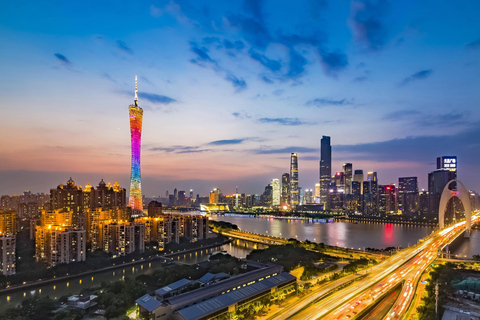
{"type": "Point", "coordinates": [136, 117]}
{"type": "Point", "coordinates": [294, 195]}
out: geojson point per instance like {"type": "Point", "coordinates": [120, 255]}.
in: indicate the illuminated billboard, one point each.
{"type": "Point", "coordinates": [447, 162]}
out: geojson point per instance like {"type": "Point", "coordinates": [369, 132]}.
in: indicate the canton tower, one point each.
{"type": "Point", "coordinates": [136, 117]}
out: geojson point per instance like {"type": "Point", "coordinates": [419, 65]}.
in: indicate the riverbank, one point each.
{"type": "Point", "coordinates": [166, 257]}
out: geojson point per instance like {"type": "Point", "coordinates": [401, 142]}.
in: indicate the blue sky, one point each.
{"type": "Point", "coordinates": [230, 88]}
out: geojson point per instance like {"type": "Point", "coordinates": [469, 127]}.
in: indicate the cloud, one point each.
{"type": "Point", "coordinates": [180, 149]}
{"type": "Point", "coordinates": [267, 79]}
{"type": "Point", "coordinates": [333, 62]}
{"type": "Point", "coordinates": [401, 115]}
{"type": "Point", "coordinates": [202, 53]}
{"type": "Point", "coordinates": [422, 119]}
{"type": "Point", "coordinates": [464, 144]}
{"type": "Point", "coordinates": [284, 121]}
{"type": "Point", "coordinates": [296, 65]}
{"type": "Point", "coordinates": [278, 92]}
{"type": "Point", "coordinates": [321, 102]}
{"type": "Point", "coordinates": [108, 77]}
{"type": "Point", "coordinates": [285, 150]}
{"type": "Point", "coordinates": [420, 75]}
{"type": "Point", "coordinates": [239, 84]}
{"type": "Point", "coordinates": [156, 98]}
{"type": "Point", "coordinates": [226, 142]}
{"type": "Point", "coordinates": [473, 45]}
{"type": "Point", "coordinates": [367, 22]}
{"type": "Point", "coordinates": [360, 79]}
{"type": "Point", "coordinates": [241, 115]}
{"type": "Point", "coordinates": [122, 46]}
{"type": "Point", "coordinates": [155, 11]}
{"type": "Point", "coordinates": [63, 59]}
{"type": "Point", "coordinates": [272, 65]}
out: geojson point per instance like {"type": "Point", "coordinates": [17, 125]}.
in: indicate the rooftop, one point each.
{"type": "Point", "coordinates": [148, 302]}
{"type": "Point", "coordinates": [218, 303]}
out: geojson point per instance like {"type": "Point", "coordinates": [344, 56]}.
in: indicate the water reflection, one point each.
{"type": "Point", "coordinates": [238, 248]}
{"type": "Point", "coordinates": [469, 247]}
{"type": "Point", "coordinates": [374, 235]}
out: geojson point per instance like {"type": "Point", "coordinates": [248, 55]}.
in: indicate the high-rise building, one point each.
{"type": "Point", "coordinates": [325, 169]}
{"type": "Point", "coordinates": [7, 254]}
{"type": "Point", "coordinates": [408, 195]}
{"type": "Point", "coordinates": [214, 196]}
{"type": "Point", "coordinates": [294, 192]}
{"type": "Point", "coordinates": [348, 176]}
{"type": "Point", "coordinates": [8, 222]}
{"type": "Point", "coordinates": [437, 180]}
{"type": "Point", "coordinates": [359, 177]}
{"type": "Point", "coordinates": [308, 197]}
{"type": "Point", "coordinates": [275, 192]}
{"type": "Point", "coordinates": [154, 209]}
{"type": "Point", "coordinates": [268, 196]}
{"type": "Point", "coordinates": [387, 198]}
{"type": "Point", "coordinates": [285, 189]}
{"type": "Point", "coordinates": [136, 116]}
{"type": "Point", "coordinates": [447, 162]}
{"type": "Point", "coordinates": [58, 244]}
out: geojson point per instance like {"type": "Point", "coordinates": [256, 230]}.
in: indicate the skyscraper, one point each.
{"type": "Point", "coordinates": [325, 169]}
{"type": "Point", "coordinates": [438, 179]}
{"type": "Point", "coordinates": [275, 192]}
{"type": "Point", "coordinates": [294, 195]}
{"type": "Point", "coordinates": [408, 195]}
{"type": "Point", "coordinates": [136, 117]}
{"type": "Point", "coordinates": [285, 189]}
{"type": "Point", "coordinates": [348, 174]}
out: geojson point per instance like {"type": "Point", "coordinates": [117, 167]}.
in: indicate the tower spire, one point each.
{"type": "Point", "coordinates": [136, 91]}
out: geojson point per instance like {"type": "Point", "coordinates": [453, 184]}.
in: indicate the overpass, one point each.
{"type": "Point", "coordinates": [253, 237]}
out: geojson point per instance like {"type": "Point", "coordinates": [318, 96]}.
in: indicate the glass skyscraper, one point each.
{"type": "Point", "coordinates": [325, 169]}
{"type": "Point", "coordinates": [294, 195]}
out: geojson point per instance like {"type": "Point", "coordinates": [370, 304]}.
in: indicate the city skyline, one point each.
{"type": "Point", "coordinates": [223, 103]}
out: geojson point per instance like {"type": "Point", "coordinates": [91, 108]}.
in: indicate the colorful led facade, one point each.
{"type": "Point", "coordinates": [136, 117]}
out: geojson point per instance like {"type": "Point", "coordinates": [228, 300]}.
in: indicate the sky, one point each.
{"type": "Point", "coordinates": [230, 88]}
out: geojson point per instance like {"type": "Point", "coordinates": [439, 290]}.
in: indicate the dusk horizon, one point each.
{"type": "Point", "coordinates": [231, 91]}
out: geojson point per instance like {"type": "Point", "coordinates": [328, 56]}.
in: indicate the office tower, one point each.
{"type": "Point", "coordinates": [355, 203]}
{"type": "Point", "coordinates": [294, 192]}
{"type": "Point", "coordinates": [359, 177]}
{"type": "Point", "coordinates": [348, 176]}
{"type": "Point", "coordinates": [181, 200]}
{"type": "Point", "coordinates": [423, 203]}
{"type": "Point", "coordinates": [408, 195]}
{"type": "Point", "coordinates": [7, 254]}
{"type": "Point", "coordinates": [437, 180]}
{"type": "Point", "coordinates": [317, 192]}
{"type": "Point", "coordinates": [373, 190]}
{"type": "Point", "coordinates": [191, 194]}
{"type": "Point", "coordinates": [275, 192]}
{"type": "Point", "coordinates": [214, 196]}
{"type": "Point", "coordinates": [387, 198]}
{"type": "Point", "coordinates": [325, 169]}
{"type": "Point", "coordinates": [285, 189]}
{"type": "Point", "coordinates": [136, 116]}
{"type": "Point", "coordinates": [308, 197]}
{"type": "Point", "coordinates": [339, 180]}
{"type": "Point", "coordinates": [267, 196]}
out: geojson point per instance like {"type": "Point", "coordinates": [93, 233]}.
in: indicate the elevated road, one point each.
{"type": "Point", "coordinates": [407, 265]}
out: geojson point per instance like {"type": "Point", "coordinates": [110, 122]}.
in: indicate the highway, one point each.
{"type": "Point", "coordinates": [406, 266]}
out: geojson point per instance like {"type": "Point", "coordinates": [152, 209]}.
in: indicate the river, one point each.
{"type": "Point", "coordinates": [344, 234]}
{"type": "Point", "coordinates": [55, 290]}
{"type": "Point", "coordinates": [469, 247]}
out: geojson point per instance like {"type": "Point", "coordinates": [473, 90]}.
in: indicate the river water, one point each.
{"type": "Point", "coordinates": [343, 234]}
{"type": "Point", "coordinates": [469, 247]}
{"type": "Point", "coordinates": [55, 290]}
